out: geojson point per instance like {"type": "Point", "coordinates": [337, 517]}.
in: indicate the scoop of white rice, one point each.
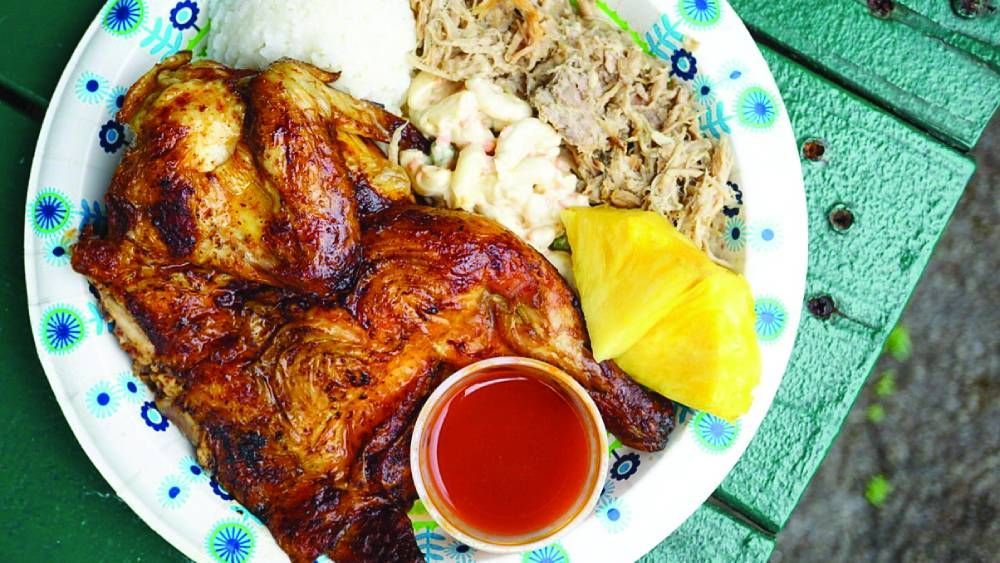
{"type": "Point", "coordinates": [368, 42]}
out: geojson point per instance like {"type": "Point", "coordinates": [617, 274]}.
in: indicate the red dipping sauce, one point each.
{"type": "Point", "coordinates": [511, 454]}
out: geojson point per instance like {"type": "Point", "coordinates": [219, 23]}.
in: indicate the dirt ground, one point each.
{"type": "Point", "coordinates": [936, 442]}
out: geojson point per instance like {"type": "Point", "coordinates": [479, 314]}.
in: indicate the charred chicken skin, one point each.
{"type": "Point", "coordinates": [312, 306]}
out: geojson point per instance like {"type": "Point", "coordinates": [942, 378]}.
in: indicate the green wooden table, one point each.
{"type": "Point", "coordinates": [895, 99]}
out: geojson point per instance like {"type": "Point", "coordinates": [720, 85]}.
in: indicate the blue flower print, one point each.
{"type": "Point", "coordinates": [97, 319]}
{"type": "Point", "coordinates": [102, 400]}
{"type": "Point", "coordinates": [664, 37]}
{"type": "Point", "coordinates": [111, 136]}
{"type": "Point", "coordinates": [123, 17]}
{"type": "Point", "coordinates": [115, 99]}
{"type": "Point", "coordinates": [184, 15]}
{"type": "Point", "coordinates": [57, 251]}
{"type": "Point", "coordinates": [735, 234]}
{"type": "Point", "coordinates": [612, 514]}
{"type": "Point", "coordinates": [91, 88]}
{"type": "Point", "coordinates": [607, 491]}
{"type": "Point", "coordinates": [173, 492]}
{"type": "Point", "coordinates": [50, 212]}
{"type": "Point", "coordinates": [715, 121]}
{"type": "Point", "coordinates": [704, 90]}
{"type": "Point", "coordinates": [62, 329]}
{"type": "Point", "coordinates": [230, 542]}
{"type": "Point", "coordinates": [459, 552]}
{"type": "Point", "coordinates": [700, 13]}
{"type": "Point", "coordinates": [191, 470]}
{"type": "Point", "coordinates": [132, 389]}
{"type": "Point", "coordinates": [549, 554]}
{"type": "Point", "coordinates": [624, 466]}
{"type": "Point", "coordinates": [714, 433]}
{"type": "Point", "coordinates": [91, 214]}
{"type": "Point", "coordinates": [730, 76]}
{"type": "Point", "coordinates": [151, 415]}
{"type": "Point", "coordinates": [430, 543]}
{"type": "Point", "coordinates": [737, 192]}
{"type": "Point", "coordinates": [756, 108]}
{"type": "Point", "coordinates": [683, 64]}
{"type": "Point", "coordinates": [764, 235]}
{"type": "Point", "coordinates": [219, 491]}
{"type": "Point", "coordinates": [771, 318]}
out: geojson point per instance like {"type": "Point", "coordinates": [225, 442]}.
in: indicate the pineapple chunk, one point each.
{"type": "Point", "coordinates": [670, 317]}
{"type": "Point", "coordinates": [703, 353]}
{"type": "Point", "coordinates": [630, 268]}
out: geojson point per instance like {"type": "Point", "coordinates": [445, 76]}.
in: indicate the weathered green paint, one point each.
{"type": "Point", "coordinates": [895, 61]}
{"type": "Point", "coordinates": [711, 535]}
{"type": "Point", "coordinates": [902, 187]}
{"type": "Point", "coordinates": [36, 39]}
{"type": "Point", "coordinates": [54, 504]}
{"type": "Point", "coordinates": [978, 37]}
{"type": "Point", "coordinates": [984, 29]}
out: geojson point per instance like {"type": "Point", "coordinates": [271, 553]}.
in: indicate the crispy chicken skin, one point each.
{"type": "Point", "coordinates": [245, 172]}
{"type": "Point", "coordinates": [300, 394]}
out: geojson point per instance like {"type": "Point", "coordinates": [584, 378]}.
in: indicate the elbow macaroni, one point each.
{"type": "Point", "coordinates": [524, 184]}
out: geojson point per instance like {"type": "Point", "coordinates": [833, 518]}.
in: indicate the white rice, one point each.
{"type": "Point", "coordinates": [369, 42]}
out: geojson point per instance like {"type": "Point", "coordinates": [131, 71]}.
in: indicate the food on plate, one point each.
{"type": "Point", "coordinates": [291, 308]}
{"type": "Point", "coordinates": [671, 318]}
{"type": "Point", "coordinates": [631, 267]}
{"type": "Point", "coordinates": [294, 270]}
{"type": "Point", "coordinates": [368, 43]}
{"type": "Point", "coordinates": [508, 453]}
{"type": "Point", "coordinates": [520, 176]}
{"type": "Point", "coordinates": [631, 129]}
{"type": "Point", "coordinates": [271, 184]}
{"type": "Point", "coordinates": [704, 352]}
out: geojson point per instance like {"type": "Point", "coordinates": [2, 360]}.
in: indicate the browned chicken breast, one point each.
{"type": "Point", "coordinates": [300, 402]}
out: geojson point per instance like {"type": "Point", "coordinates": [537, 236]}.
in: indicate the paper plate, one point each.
{"type": "Point", "coordinates": [150, 465]}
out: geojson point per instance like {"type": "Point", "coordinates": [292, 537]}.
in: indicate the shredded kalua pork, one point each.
{"type": "Point", "coordinates": [632, 130]}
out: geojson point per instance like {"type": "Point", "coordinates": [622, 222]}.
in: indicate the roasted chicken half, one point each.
{"type": "Point", "coordinates": [301, 401]}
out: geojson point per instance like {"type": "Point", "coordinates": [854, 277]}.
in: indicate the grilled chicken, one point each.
{"type": "Point", "coordinates": [247, 173]}
{"type": "Point", "coordinates": [300, 393]}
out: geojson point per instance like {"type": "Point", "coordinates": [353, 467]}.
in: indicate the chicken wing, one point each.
{"type": "Point", "coordinates": [245, 172]}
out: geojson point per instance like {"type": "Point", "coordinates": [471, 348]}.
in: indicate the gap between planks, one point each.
{"type": "Point", "coordinates": [763, 39]}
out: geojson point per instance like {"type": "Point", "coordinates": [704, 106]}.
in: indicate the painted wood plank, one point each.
{"type": "Point", "coordinates": [902, 65]}
{"type": "Point", "coordinates": [984, 29]}
{"type": "Point", "coordinates": [711, 534]}
{"type": "Point", "coordinates": [901, 187]}
{"type": "Point", "coordinates": [36, 40]}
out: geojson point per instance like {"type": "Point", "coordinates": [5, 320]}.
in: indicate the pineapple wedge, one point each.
{"type": "Point", "coordinates": [630, 268]}
{"type": "Point", "coordinates": [670, 317]}
{"type": "Point", "coordinates": [704, 352]}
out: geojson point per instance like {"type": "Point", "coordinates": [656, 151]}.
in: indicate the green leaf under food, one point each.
{"type": "Point", "coordinates": [561, 242]}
